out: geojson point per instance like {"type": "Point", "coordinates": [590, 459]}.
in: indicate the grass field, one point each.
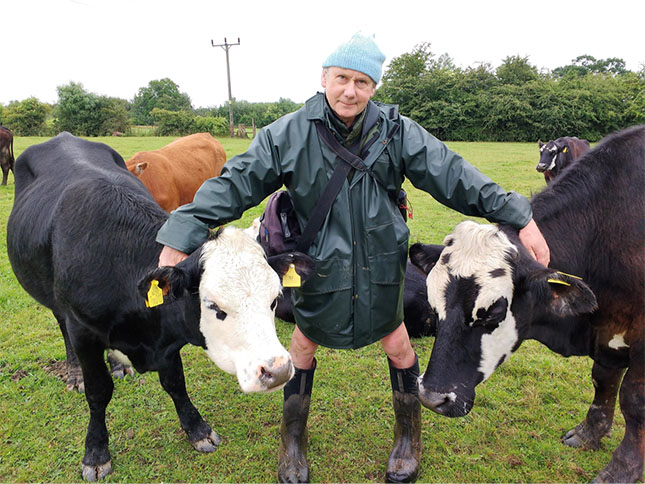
{"type": "Point", "coordinates": [512, 434]}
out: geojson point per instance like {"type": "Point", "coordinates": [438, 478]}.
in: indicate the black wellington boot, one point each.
{"type": "Point", "coordinates": [403, 464]}
{"type": "Point", "coordinates": [292, 454]}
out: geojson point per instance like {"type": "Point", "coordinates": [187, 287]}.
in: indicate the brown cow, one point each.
{"type": "Point", "coordinates": [173, 173]}
{"type": "Point", "coordinates": [6, 153]}
{"type": "Point", "coordinates": [556, 155]}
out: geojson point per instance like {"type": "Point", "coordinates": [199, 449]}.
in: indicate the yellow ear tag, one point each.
{"type": "Point", "coordinates": [155, 295]}
{"type": "Point", "coordinates": [291, 278]}
{"type": "Point", "coordinates": [558, 281]}
{"type": "Point", "coordinates": [570, 275]}
{"type": "Point", "coordinates": [564, 150]}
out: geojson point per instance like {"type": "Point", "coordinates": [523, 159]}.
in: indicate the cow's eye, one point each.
{"type": "Point", "coordinates": [274, 304]}
{"type": "Point", "coordinates": [219, 314]}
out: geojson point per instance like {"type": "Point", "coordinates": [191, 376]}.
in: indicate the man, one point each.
{"type": "Point", "coordinates": [356, 296]}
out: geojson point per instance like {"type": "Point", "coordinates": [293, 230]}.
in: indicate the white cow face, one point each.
{"type": "Point", "coordinates": [238, 292]}
{"type": "Point", "coordinates": [223, 298]}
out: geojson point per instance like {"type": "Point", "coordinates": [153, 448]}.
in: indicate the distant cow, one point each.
{"type": "Point", "coordinates": [81, 241]}
{"type": "Point", "coordinates": [490, 295]}
{"type": "Point", "coordinates": [556, 155]}
{"type": "Point", "coordinates": [174, 173]}
{"type": "Point", "coordinates": [6, 153]}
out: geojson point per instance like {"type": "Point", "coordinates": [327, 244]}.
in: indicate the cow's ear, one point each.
{"type": "Point", "coordinates": [303, 264]}
{"type": "Point", "coordinates": [425, 256]}
{"type": "Point", "coordinates": [540, 144]}
{"type": "Point", "coordinates": [140, 168]}
{"type": "Point", "coordinates": [168, 283]}
{"type": "Point", "coordinates": [567, 295]}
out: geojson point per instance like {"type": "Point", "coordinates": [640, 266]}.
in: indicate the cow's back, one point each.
{"type": "Point", "coordinates": [600, 202]}
{"type": "Point", "coordinates": [175, 172]}
{"type": "Point", "coordinates": [57, 192]}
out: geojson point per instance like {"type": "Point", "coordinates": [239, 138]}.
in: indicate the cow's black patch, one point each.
{"type": "Point", "coordinates": [497, 273]}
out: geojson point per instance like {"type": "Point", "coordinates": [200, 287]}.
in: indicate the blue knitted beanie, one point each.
{"type": "Point", "coordinates": [360, 54]}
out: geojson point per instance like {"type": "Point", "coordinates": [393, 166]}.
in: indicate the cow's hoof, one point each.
{"type": "Point", "coordinates": [581, 436]}
{"type": "Point", "coordinates": [75, 381]}
{"type": "Point", "coordinates": [120, 371]}
{"type": "Point", "coordinates": [208, 444]}
{"type": "Point", "coordinates": [619, 470]}
{"type": "Point", "coordinates": [95, 473]}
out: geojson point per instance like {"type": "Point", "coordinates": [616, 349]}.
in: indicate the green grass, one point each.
{"type": "Point", "coordinates": [512, 434]}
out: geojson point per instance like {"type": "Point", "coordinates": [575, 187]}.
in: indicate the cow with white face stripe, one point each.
{"type": "Point", "coordinates": [556, 155]}
{"type": "Point", "coordinates": [490, 295]}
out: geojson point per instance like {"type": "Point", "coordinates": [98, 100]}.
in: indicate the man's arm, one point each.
{"type": "Point", "coordinates": [170, 256]}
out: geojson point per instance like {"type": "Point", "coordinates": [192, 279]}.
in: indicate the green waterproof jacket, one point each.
{"type": "Point", "coordinates": [356, 294]}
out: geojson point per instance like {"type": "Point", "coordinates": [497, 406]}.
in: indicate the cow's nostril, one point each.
{"type": "Point", "coordinates": [265, 374]}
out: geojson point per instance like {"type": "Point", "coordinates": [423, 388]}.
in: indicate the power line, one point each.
{"type": "Point", "coordinates": [226, 46]}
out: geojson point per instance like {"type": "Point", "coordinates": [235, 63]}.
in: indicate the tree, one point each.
{"type": "Point", "coordinates": [587, 64]}
{"type": "Point", "coordinates": [516, 70]}
{"type": "Point", "coordinates": [161, 94]}
{"type": "Point", "coordinates": [84, 113]}
{"type": "Point", "coordinates": [26, 118]}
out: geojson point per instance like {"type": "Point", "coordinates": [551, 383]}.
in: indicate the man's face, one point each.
{"type": "Point", "coordinates": [347, 92]}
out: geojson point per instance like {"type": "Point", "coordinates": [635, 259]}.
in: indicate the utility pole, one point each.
{"type": "Point", "coordinates": [226, 46]}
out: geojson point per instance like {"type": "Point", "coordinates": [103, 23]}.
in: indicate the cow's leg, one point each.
{"type": "Point", "coordinates": [118, 368]}
{"type": "Point", "coordinates": [600, 416]}
{"type": "Point", "coordinates": [5, 176]}
{"type": "Point", "coordinates": [96, 463]}
{"type": "Point", "coordinates": [626, 464]}
{"type": "Point", "coordinates": [74, 373]}
{"type": "Point", "coordinates": [199, 432]}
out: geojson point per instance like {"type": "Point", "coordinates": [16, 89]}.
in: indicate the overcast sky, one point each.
{"type": "Point", "coordinates": [115, 47]}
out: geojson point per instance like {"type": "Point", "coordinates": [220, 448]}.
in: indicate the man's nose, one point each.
{"type": "Point", "coordinates": [350, 89]}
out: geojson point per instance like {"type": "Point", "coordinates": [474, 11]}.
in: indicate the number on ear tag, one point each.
{"type": "Point", "coordinates": [155, 295]}
{"type": "Point", "coordinates": [291, 278]}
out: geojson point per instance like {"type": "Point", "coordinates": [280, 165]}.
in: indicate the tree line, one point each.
{"type": "Point", "coordinates": [588, 98]}
{"type": "Point", "coordinates": [513, 102]}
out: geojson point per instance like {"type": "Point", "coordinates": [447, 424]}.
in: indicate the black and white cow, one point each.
{"type": "Point", "coordinates": [556, 155]}
{"type": "Point", "coordinates": [490, 295]}
{"type": "Point", "coordinates": [81, 241]}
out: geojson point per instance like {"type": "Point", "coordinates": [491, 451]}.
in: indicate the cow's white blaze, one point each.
{"type": "Point", "coordinates": [237, 281]}
{"type": "Point", "coordinates": [618, 341]}
{"type": "Point", "coordinates": [479, 252]}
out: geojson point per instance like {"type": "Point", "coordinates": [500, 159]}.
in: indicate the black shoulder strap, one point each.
{"type": "Point", "coordinates": [339, 175]}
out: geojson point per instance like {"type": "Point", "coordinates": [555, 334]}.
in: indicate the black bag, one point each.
{"type": "Point", "coordinates": [279, 229]}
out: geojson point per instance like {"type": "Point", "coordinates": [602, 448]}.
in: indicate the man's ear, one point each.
{"type": "Point", "coordinates": [303, 264]}
{"type": "Point", "coordinates": [425, 256]}
{"type": "Point", "coordinates": [323, 78]}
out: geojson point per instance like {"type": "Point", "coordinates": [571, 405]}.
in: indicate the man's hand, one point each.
{"type": "Point", "coordinates": [170, 256]}
{"type": "Point", "coordinates": [533, 240]}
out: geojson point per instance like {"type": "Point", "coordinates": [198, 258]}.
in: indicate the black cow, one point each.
{"type": "Point", "coordinates": [490, 295]}
{"type": "Point", "coordinates": [6, 153]}
{"type": "Point", "coordinates": [418, 318]}
{"type": "Point", "coordinates": [81, 241]}
{"type": "Point", "coordinates": [556, 155]}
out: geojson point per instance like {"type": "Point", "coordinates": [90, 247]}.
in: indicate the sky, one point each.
{"type": "Point", "coordinates": [116, 47]}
